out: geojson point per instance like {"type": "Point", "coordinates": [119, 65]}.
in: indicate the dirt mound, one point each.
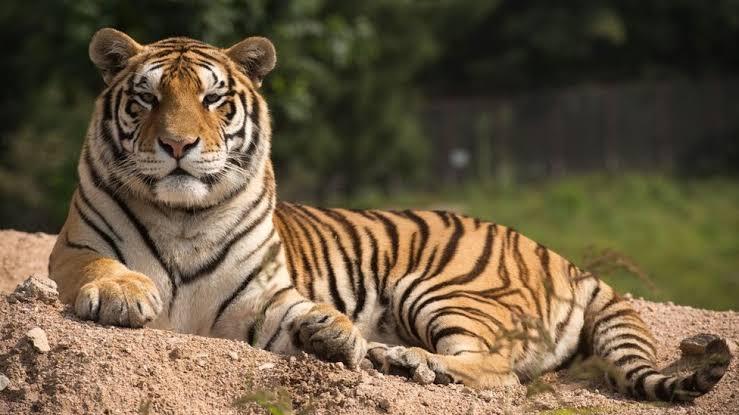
{"type": "Point", "coordinates": [22, 254]}
{"type": "Point", "coordinates": [52, 363]}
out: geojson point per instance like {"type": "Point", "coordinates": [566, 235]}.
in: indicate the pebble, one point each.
{"type": "Point", "coordinates": [376, 374]}
{"type": "Point", "coordinates": [233, 355]}
{"type": "Point", "coordinates": [4, 382]}
{"type": "Point", "coordinates": [384, 405]}
{"type": "Point", "coordinates": [176, 353]}
{"type": "Point", "coordinates": [34, 288]}
{"type": "Point", "coordinates": [266, 366]}
{"type": "Point", "coordinates": [38, 339]}
{"type": "Point", "coordinates": [486, 396]}
{"type": "Point", "coordinates": [292, 360]}
{"type": "Point", "coordinates": [423, 375]}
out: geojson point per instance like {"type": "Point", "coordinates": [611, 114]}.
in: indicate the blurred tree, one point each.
{"type": "Point", "coordinates": [346, 93]}
{"type": "Point", "coordinates": [539, 43]}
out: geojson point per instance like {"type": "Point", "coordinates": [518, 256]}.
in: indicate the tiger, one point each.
{"type": "Point", "coordinates": [175, 224]}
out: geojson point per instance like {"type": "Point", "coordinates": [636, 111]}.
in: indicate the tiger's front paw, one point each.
{"type": "Point", "coordinates": [128, 300]}
{"type": "Point", "coordinates": [331, 336]}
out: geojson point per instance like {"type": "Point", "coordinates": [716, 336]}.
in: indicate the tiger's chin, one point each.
{"type": "Point", "coordinates": [181, 191]}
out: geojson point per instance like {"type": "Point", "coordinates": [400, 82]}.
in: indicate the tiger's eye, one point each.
{"type": "Point", "coordinates": [211, 98]}
{"type": "Point", "coordinates": [147, 97]}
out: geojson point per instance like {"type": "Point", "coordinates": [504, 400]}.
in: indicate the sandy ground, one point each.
{"type": "Point", "coordinates": [22, 254]}
{"type": "Point", "coordinates": [94, 369]}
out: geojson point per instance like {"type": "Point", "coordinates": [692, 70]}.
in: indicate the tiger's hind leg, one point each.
{"type": "Point", "coordinates": [459, 356]}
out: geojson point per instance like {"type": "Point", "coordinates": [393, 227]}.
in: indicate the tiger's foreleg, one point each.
{"type": "Point", "coordinates": [102, 289]}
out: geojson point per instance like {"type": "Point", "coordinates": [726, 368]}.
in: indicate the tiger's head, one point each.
{"type": "Point", "coordinates": [181, 122]}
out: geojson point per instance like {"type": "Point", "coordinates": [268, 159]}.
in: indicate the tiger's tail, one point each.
{"type": "Point", "coordinates": [614, 332]}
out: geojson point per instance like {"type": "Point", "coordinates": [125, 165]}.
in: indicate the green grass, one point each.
{"type": "Point", "coordinates": [683, 234]}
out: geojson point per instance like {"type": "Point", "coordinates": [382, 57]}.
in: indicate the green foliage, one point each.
{"type": "Point", "coordinates": [276, 402]}
{"type": "Point", "coordinates": [346, 93]}
{"type": "Point", "coordinates": [681, 234]}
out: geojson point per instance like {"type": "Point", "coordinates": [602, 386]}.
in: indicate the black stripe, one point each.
{"type": "Point", "coordinates": [444, 216]}
{"type": "Point", "coordinates": [618, 314]}
{"type": "Point", "coordinates": [227, 302]}
{"type": "Point", "coordinates": [392, 232]}
{"type": "Point", "coordinates": [308, 265]}
{"type": "Point", "coordinates": [75, 245]}
{"type": "Point", "coordinates": [374, 261]}
{"type": "Point", "coordinates": [411, 325]}
{"type": "Point", "coordinates": [466, 312]}
{"type": "Point", "coordinates": [626, 336]}
{"type": "Point", "coordinates": [104, 236]}
{"type": "Point", "coordinates": [450, 248]}
{"type": "Point", "coordinates": [639, 383]}
{"type": "Point", "coordinates": [481, 263]}
{"type": "Point", "coordinates": [661, 391]}
{"type": "Point", "coordinates": [89, 204]}
{"type": "Point", "coordinates": [627, 345]}
{"type": "Point", "coordinates": [423, 230]}
{"type": "Point", "coordinates": [627, 359]}
{"type": "Point", "coordinates": [351, 229]}
{"type": "Point", "coordinates": [338, 302]}
{"type": "Point", "coordinates": [452, 331]}
{"type": "Point", "coordinates": [274, 336]}
{"type": "Point", "coordinates": [245, 283]}
{"type": "Point", "coordinates": [211, 265]}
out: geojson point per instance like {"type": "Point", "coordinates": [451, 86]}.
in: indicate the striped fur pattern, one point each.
{"type": "Point", "coordinates": [175, 225]}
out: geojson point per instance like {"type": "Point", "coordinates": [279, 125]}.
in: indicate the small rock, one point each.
{"type": "Point", "coordinates": [201, 362]}
{"type": "Point", "coordinates": [233, 355]}
{"type": "Point", "coordinates": [468, 391]}
{"type": "Point", "coordinates": [176, 353]}
{"type": "Point", "coordinates": [36, 288]}
{"type": "Point", "coordinates": [486, 396]}
{"type": "Point", "coordinates": [266, 366]}
{"type": "Point", "coordinates": [339, 365]}
{"type": "Point", "coordinates": [384, 405]}
{"type": "Point", "coordinates": [4, 382]}
{"type": "Point", "coordinates": [292, 360]}
{"type": "Point", "coordinates": [629, 296]}
{"type": "Point", "coordinates": [376, 374]}
{"type": "Point", "coordinates": [38, 339]}
{"type": "Point", "coordinates": [423, 375]}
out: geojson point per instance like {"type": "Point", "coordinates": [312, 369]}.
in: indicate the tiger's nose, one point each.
{"type": "Point", "coordinates": [178, 148]}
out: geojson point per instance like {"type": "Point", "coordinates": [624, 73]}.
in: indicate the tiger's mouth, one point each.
{"type": "Point", "coordinates": [179, 171]}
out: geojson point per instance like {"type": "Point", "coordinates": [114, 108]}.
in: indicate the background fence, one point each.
{"type": "Point", "coordinates": [645, 126]}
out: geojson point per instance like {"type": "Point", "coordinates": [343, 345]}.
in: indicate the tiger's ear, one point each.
{"type": "Point", "coordinates": [255, 56]}
{"type": "Point", "coordinates": [110, 51]}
